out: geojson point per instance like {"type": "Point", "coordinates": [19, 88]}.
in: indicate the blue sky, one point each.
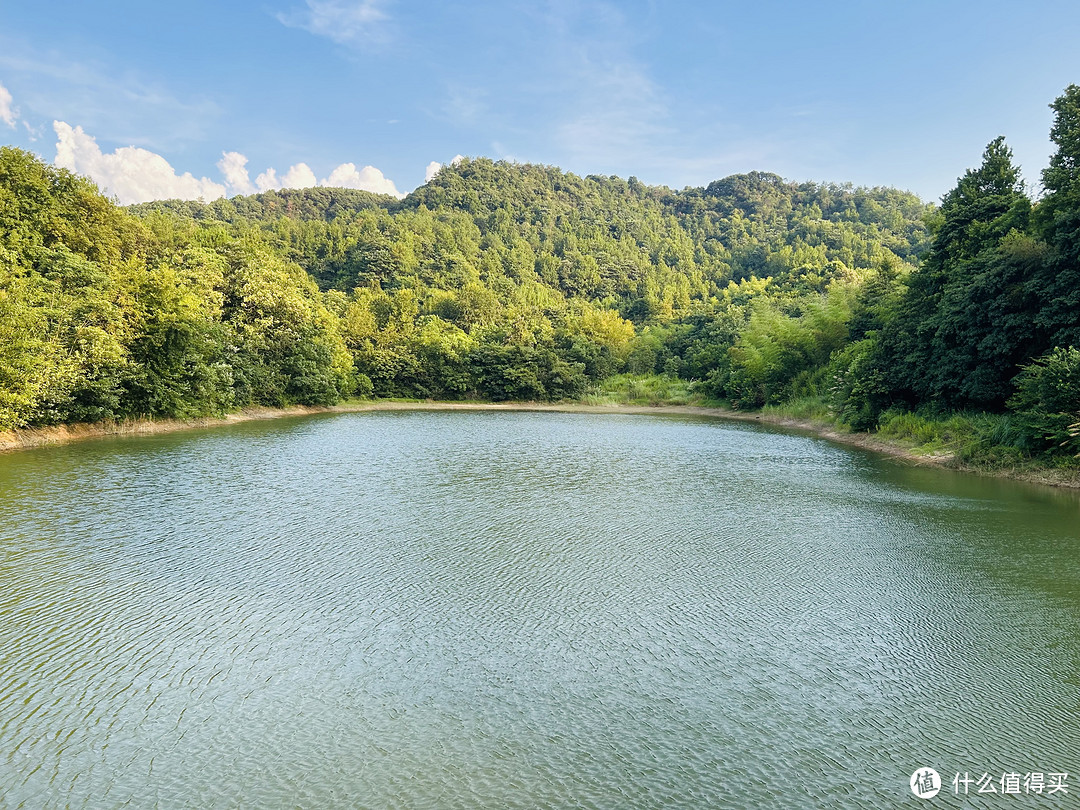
{"type": "Point", "coordinates": [205, 98]}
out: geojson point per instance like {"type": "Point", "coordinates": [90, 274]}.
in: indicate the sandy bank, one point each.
{"type": "Point", "coordinates": [63, 434]}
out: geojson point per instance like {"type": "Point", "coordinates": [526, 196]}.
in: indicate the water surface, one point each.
{"type": "Point", "coordinates": [480, 609]}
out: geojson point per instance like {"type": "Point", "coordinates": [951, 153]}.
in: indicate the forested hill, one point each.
{"type": "Point", "coordinates": [307, 203]}
{"type": "Point", "coordinates": [640, 249]}
{"type": "Point", "coordinates": [494, 280]}
{"type": "Point", "coordinates": [505, 281]}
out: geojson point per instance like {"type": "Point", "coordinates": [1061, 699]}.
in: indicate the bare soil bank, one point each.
{"type": "Point", "coordinates": [62, 434]}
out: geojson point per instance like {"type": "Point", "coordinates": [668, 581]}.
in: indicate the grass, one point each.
{"type": "Point", "coordinates": [811, 408]}
{"type": "Point", "coordinates": [643, 389]}
{"type": "Point", "coordinates": [371, 399]}
{"type": "Point", "coordinates": [985, 440]}
{"type": "Point", "coordinates": [975, 440]}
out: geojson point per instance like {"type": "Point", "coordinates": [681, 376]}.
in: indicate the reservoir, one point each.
{"type": "Point", "coordinates": [473, 609]}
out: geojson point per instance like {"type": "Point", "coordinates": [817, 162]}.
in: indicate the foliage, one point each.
{"type": "Point", "coordinates": [779, 356]}
{"type": "Point", "coordinates": [106, 317]}
{"type": "Point", "coordinates": [1058, 284]}
{"type": "Point", "coordinates": [965, 320]}
{"type": "Point", "coordinates": [1047, 401]}
{"type": "Point", "coordinates": [806, 408]}
{"type": "Point", "coordinates": [857, 390]}
{"type": "Point", "coordinates": [494, 280]}
{"type": "Point", "coordinates": [505, 281]}
{"type": "Point", "coordinates": [643, 389]}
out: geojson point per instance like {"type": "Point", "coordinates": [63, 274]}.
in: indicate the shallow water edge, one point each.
{"type": "Point", "coordinates": [13, 440]}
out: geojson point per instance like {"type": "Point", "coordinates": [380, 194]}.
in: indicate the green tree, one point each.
{"type": "Point", "coordinates": [1058, 286]}
{"type": "Point", "coordinates": [960, 328]}
{"type": "Point", "coordinates": [1047, 401]}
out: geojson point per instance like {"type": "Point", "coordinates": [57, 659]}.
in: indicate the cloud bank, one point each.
{"type": "Point", "coordinates": [434, 166]}
{"type": "Point", "coordinates": [131, 174]}
{"type": "Point", "coordinates": [135, 175]}
{"type": "Point", "coordinates": [368, 178]}
{"type": "Point", "coordinates": [233, 167]}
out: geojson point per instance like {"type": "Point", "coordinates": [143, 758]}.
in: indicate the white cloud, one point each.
{"type": "Point", "coordinates": [33, 132]}
{"type": "Point", "coordinates": [434, 167]}
{"type": "Point", "coordinates": [267, 180]}
{"type": "Point", "coordinates": [131, 174]}
{"type": "Point", "coordinates": [344, 176]}
{"type": "Point", "coordinates": [366, 179]}
{"type": "Point", "coordinates": [299, 176]}
{"type": "Point", "coordinates": [134, 175]}
{"type": "Point", "coordinates": [356, 22]}
{"type": "Point", "coordinates": [233, 168]}
{"type": "Point", "coordinates": [7, 114]}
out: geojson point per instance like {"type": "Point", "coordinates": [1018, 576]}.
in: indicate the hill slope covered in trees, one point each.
{"type": "Point", "coordinates": [506, 281]}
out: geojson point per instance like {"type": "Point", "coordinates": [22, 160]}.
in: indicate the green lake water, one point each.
{"type": "Point", "coordinates": [526, 610]}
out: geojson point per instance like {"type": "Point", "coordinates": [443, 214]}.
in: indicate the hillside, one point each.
{"type": "Point", "coordinates": [502, 281]}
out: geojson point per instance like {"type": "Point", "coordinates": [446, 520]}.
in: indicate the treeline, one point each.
{"type": "Point", "coordinates": [504, 281]}
{"type": "Point", "coordinates": [309, 203]}
{"type": "Point", "coordinates": [494, 281]}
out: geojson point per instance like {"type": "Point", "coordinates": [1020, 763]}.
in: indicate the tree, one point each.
{"type": "Point", "coordinates": [956, 337]}
{"type": "Point", "coordinates": [1047, 401]}
{"type": "Point", "coordinates": [1059, 215]}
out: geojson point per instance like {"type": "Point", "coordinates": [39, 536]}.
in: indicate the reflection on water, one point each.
{"type": "Point", "coordinates": [419, 609]}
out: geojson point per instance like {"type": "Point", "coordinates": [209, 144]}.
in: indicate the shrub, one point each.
{"type": "Point", "coordinates": [857, 385]}
{"type": "Point", "coordinates": [1047, 401]}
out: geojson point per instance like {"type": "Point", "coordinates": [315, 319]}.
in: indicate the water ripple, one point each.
{"type": "Point", "coordinates": [521, 610]}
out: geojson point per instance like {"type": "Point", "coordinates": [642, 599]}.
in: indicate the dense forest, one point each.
{"type": "Point", "coordinates": [502, 281]}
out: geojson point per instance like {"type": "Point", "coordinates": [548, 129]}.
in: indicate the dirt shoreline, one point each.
{"type": "Point", "coordinates": [14, 440]}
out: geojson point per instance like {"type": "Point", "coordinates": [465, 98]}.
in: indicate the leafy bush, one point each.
{"type": "Point", "coordinates": [858, 386]}
{"type": "Point", "coordinates": [778, 356]}
{"type": "Point", "coordinates": [1047, 401]}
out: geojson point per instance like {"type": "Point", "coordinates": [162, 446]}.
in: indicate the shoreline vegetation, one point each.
{"type": "Point", "coordinates": [947, 334]}
{"type": "Point", "coordinates": [818, 425]}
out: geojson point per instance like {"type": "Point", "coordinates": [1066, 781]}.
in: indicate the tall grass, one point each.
{"type": "Point", "coordinates": [982, 439]}
{"type": "Point", "coordinates": [812, 408]}
{"type": "Point", "coordinates": [643, 389]}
